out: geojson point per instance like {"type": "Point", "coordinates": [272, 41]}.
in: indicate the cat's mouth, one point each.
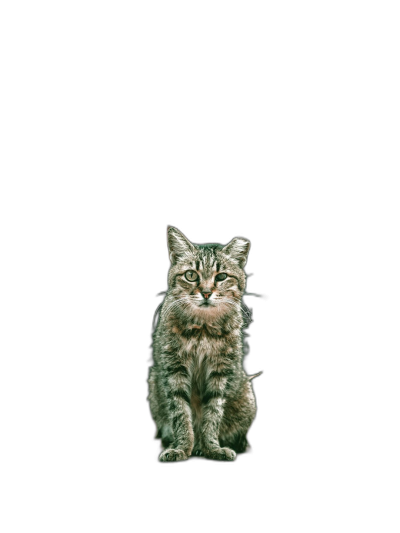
{"type": "Point", "coordinates": [206, 303]}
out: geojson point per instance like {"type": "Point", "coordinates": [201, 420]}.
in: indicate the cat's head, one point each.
{"type": "Point", "coordinates": [207, 279]}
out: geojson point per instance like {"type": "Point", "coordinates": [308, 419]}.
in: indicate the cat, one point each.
{"type": "Point", "coordinates": [200, 396]}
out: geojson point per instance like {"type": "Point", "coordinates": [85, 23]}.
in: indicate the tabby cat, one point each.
{"type": "Point", "coordinates": [200, 396]}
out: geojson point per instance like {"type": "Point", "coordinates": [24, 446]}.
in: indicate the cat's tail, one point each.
{"type": "Point", "coordinates": [254, 375]}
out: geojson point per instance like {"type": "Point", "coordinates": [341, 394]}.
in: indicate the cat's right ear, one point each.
{"type": "Point", "coordinates": [178, 245]}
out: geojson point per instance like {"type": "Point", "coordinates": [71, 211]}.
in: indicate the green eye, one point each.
{"type": "Point", "coordinates": [191, 275]}
{"type": "Point", "coordinates": [221, 277]}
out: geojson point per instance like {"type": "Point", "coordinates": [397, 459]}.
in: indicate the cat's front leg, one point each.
{"type": "Point", "coordinates": [180, 416]}
{"type": "Point", "coordinates": [213, 410]}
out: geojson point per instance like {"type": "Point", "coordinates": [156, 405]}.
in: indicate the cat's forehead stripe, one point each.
{"type": "Point", "coordinates": [207, 260]}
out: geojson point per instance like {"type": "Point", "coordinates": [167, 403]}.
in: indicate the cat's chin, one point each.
{"type": "Point", "coordinates": [207, 312]}
{"type": "Point", "coordinates": [207, 307]}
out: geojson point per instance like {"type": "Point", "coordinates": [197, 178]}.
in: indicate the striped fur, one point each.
{"type": "Point", "coordinates": [200, 396]}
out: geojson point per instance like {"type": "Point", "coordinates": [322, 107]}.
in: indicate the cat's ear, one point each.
{"type": "Point", "coordinates": [178, 245]}
{"type": "Point", "coordinates": [237, 250]}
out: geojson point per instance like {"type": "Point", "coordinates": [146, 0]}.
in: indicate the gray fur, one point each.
{"type": "Point", "coordinates": [200, 396]}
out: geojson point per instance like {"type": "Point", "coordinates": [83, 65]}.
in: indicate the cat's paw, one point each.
{"type": "Point", "coordinates": [171, 454]}
{"type": "Point", "coordinates": [220, 454]}
{"type": "Point", "coordinates": [197, 452]}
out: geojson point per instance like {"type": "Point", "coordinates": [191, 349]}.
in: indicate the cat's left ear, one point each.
{"type": "Point", "coordinates": [238, 250]}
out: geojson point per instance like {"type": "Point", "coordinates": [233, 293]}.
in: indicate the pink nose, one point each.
{"type": "Point", "coordinates": [206, 294]}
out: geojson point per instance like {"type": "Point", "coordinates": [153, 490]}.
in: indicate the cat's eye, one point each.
{"type": "Point", "coordinates": [221, 277]}
{"type": "Point", "coordinates": [191, 275]}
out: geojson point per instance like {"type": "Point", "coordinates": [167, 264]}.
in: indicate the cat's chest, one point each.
{"type": "Point", "coordinates": [201, 346]}
{"type": "Point", "coordinates": [202, 353]}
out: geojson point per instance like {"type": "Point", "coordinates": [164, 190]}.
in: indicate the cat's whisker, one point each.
{"type": "Point", "coordinates": [253, 294]}
{"type": "Point", "coordinates": [242, 304]}
{"type": "Point", "coordinates": [173, 305]}
{"type": "Point", "coordinates": [166, 311]}
{"type": "Point", "coordinates": [155, 314]}
{"type": "Point", "coordinates": [236, 305]}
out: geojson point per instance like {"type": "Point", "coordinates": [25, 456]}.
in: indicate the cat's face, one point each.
{"type": "Point", "coordinates": [208, 279]}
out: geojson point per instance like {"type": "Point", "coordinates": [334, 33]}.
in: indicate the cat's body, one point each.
{"type": "Point", "coordinates": [200, 397]}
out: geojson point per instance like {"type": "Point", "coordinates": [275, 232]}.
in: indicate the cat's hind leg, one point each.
{"type": "Point", "coordinates": [239, 414]}
{"type": "Point", "coordinates": [237, 442]}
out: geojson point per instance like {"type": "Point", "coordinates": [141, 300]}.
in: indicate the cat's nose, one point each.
{"type": "Point", "coordinates": [206, 293]}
